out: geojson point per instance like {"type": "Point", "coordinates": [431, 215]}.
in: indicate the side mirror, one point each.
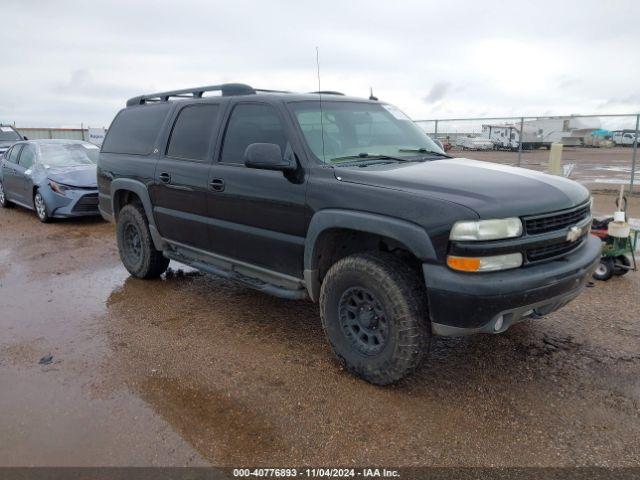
{"type": "Point", "coordinates": [267, 156]}
{"type": "Point", "coordinates": [25, 137]}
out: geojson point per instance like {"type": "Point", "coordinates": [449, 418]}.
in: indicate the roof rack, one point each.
{"type": "Point", "coordinates": [328, 92]}
{"type": "Point", "coordinates": [264, 90]}
{"type": "Point", "coordinates": [227, 89]}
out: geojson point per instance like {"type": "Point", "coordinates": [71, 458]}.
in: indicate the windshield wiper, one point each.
{"type": "Point", "coordinates": [424, 150]}
{"type": "Point", "coordinates": [369, 156]}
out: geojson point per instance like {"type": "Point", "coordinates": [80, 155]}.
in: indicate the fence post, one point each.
{"type": "Point", "coordinates": [520, 142]}
{"type": "Point", "coordinates": [435, 131]}
{"type": "Point", "coordinates": [633, 159]}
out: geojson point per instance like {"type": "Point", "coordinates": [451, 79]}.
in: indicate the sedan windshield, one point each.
{"type": "Point", "coordinates": [68, 154]}
{"type": "Point", "coordinates": [360, 130]}
{"type": "Point", "coordinates": [8, 134]}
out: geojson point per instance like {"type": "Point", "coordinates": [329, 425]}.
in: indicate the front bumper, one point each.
{"type": "Point", "coordinates": [468, 303]}
{"type": "Point", "coordinates": [75, 203]}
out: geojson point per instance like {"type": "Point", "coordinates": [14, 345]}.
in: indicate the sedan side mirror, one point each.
{"type": "Point", "coordinates": [267, 156]}
{"type": "Point", "coordinates": [25, 137]}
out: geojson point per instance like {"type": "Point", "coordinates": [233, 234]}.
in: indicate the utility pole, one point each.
{"type": "Point", "coordinates": [520, 142]}
{"type": "Point", "coordinates": [635, 155]}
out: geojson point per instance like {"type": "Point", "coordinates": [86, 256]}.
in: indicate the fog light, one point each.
{"type": "Point", "coordinates": [498, 324]}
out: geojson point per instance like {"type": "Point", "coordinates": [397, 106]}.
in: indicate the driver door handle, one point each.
{"type": "Point", "coordinates": [217, 185]}
{"type": "Point", "coordinates": [165, 177]}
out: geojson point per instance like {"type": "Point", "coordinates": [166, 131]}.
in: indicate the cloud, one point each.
{"type": "Point", "coordinates": [70, 62]}
{"type": "Point", "coordinates": [617, 102]}
{"type": "Point", "coordinates": [437, 92]}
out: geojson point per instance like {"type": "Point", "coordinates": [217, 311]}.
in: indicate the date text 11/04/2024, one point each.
{"type": "Point", "coordinates": [317, 472]}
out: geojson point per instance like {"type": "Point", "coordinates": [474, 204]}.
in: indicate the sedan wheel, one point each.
{"type": "Point", "coordinates": [4, 202]}
{"type": "Point", "coordinates": [41, 208]}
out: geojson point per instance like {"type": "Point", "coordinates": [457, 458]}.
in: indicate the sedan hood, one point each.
{"type": "Point", "coordinates": [492, 190]}
{"type": "Point", "coordinates": [75, 176]}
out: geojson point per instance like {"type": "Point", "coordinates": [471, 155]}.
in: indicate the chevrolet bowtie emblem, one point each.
{"type": "Point", "coordinates": [574, 234]}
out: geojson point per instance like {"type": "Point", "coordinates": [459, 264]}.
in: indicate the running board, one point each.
{"type": "Point", "coordinates": [252, 282]}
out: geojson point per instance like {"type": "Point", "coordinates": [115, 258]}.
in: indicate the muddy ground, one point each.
{"type": "Point", "coordinates": [192, 370]}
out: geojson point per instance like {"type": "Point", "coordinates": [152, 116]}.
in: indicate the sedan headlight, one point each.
{"type": "Point", "coordinates": [486, 229]}
{"type": "Point", "coordinates": [59, 188]}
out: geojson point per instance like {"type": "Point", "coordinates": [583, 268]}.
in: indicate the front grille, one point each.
{"type": "Point", "coordinates": [555, 221]}
{"type": "Point", "coordinates": [554, 250]}
{"type": "Point", "coordinates": [88, 203]}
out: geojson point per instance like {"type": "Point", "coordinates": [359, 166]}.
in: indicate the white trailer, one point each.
{"type": "Point", "coordinates": [541, 132]}
{"type": "Point", "coordinates": [507, 137]}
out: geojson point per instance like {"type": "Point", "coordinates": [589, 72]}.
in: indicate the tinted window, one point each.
{"type": "Point", "coordinates": [251, 124]}
{"type": "Point", "coordinates": [192, 132]}
{"type": "Point", "coordinates": [135, 129]}
{"type": "Point", "coordinates": [28, 156]}
{"type": "Point", "coordinates": [12, 156]}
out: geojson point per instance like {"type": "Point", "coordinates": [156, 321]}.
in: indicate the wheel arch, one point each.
{"type": "Point", "coordinates": [409, 236]}
{"type": "Point", "coordinates": [122, 192]}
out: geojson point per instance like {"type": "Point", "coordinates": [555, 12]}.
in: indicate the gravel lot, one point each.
{"type": "Point", "coordinates": [192, 370]}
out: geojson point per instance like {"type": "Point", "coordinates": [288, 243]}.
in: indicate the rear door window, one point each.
{"type": "Point", "coordinates": [135, 129]}
{"type": "Point", "coordinates": [192, 132]}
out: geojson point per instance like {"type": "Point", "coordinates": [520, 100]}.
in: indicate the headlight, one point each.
{"type": "Point", "coordinates": [485, 264]}
{"type": "Point", "coordinates": [486, 229]}
{"type": "Point", "coordinates": [58, 187]}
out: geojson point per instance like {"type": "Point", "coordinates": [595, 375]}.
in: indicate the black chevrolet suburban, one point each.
{"type": "Point", "coordinates": [345, 202]}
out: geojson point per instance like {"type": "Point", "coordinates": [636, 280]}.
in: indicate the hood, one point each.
{"type": "Point", "coordinates": [492, 190]}
{"type": "Point", "coordinates": [75, 176]}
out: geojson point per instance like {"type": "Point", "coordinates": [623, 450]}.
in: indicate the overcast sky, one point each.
{"type": "Point", "coordinates": [67, 62]}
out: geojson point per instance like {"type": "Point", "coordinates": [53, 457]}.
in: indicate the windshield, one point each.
{"type": "Point", "coordinates": [68, 154]}
{"type": "Point", "coordinates": [9, 134]}
{"type": "Point", "coordinates": [359, 129]}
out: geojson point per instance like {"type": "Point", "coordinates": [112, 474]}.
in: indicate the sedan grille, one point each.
{"type": "Point", "coordinates": [88, 203]}
{"type": "Point", "coordinates": [555, 221]}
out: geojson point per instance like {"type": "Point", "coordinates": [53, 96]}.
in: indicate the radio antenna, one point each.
{"type": "Point", "coordinates": [320, 94]}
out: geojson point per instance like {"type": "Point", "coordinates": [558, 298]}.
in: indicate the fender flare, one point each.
{"type": "Point", "coordinates": [140, 189]}
{"type": "Point", "coordinates": [414, 237]}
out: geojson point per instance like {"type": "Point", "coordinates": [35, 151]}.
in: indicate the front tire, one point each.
{"type": "Point", "coordinates": [374, 313]}
{"type": "Point", "coordinates": [40, 207]}
{"type": "Point", "coordinates": [4, 202]}
{"type": "Point", "coordinates": [137, 252]}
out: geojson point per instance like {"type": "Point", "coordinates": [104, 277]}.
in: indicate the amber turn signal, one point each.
{"type": "Point", "coordinates": [465, 264]}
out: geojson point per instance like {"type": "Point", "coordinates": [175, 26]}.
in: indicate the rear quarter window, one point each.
{"type": "Point", "coordinates": [135, 129]}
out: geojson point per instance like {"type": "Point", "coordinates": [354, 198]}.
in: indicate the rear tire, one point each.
{"type": "Point", "coordinates": [137, 252]}
{"type": "Point", "coordinates": [604, 271]}
{"type": "Point", "coordinates": [374, 313]}
{"type": "Point", "coordinates": [4, 202]}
